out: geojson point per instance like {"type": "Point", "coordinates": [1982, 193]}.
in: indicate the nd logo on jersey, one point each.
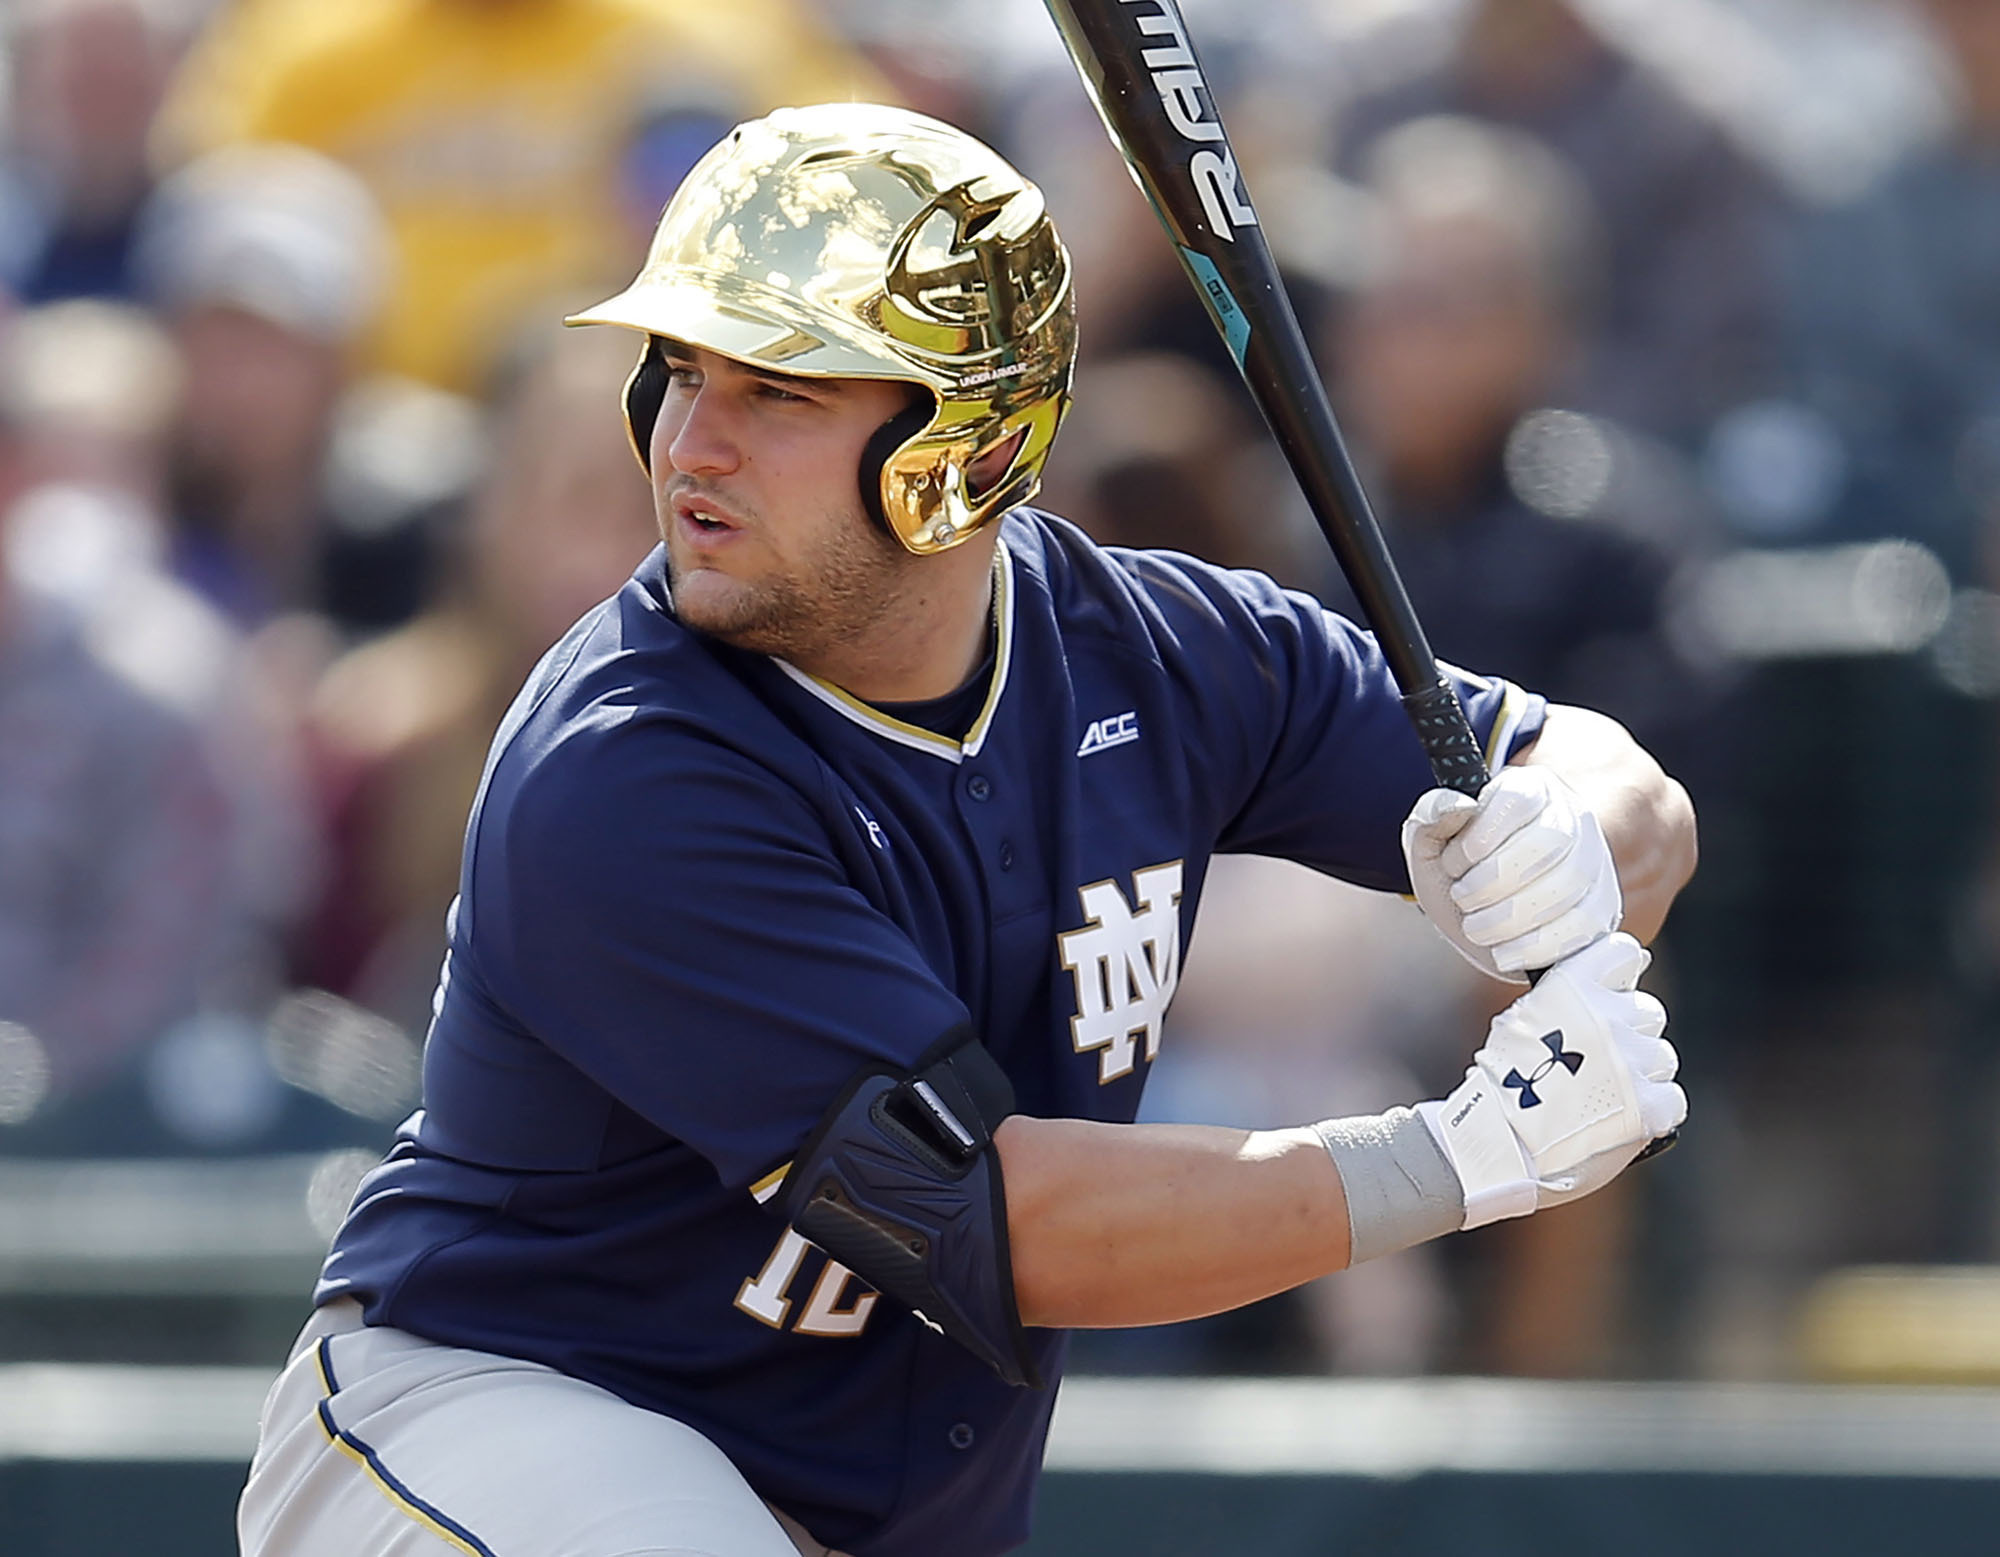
{"type": "Point", "coordinates": [1126, 966]}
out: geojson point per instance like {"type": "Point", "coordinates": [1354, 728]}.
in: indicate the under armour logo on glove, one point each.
{"type": "Point", "coordinates": [1585, 1013]}
{"type": "Point", "coordinates": [1558, 1055]}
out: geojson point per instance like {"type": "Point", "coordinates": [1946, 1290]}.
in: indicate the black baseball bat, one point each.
{"type": "Point", "coordinates": [1141, 72]}
{"type": "Point", "coordinates": [1139, 67]}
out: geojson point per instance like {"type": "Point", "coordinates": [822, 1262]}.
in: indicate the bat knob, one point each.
{"type": "Point", "coordinates": [1664, 1143]}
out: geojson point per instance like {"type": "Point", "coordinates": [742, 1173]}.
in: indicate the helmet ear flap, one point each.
{"type": "Point", "coordinates": [645, 392]}
{"type": "Point", "coordinates": [887, 439]}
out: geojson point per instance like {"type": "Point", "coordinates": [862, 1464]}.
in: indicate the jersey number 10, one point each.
{"type": "Point", "coordinates": [828, 1309]}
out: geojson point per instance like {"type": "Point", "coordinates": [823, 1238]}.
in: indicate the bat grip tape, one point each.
{"type": "Point", "coordinates": [1446, 734]}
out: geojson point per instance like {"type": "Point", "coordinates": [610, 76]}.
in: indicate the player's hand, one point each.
{"type": "Point", "coordinates": [1519, 878]}
{"type": "Point", "coordinates": [1573, 1080]}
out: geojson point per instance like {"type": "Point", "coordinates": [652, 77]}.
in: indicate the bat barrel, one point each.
{"type": "Point", "coordinates": [1141, 72]}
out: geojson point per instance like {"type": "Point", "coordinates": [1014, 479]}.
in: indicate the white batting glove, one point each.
{"type": "Point", "coordinates": [1573, 1080]}
{"type": "Point", "coordinates": [1519, 878]}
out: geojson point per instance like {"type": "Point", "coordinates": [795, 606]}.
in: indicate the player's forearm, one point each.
{"type": "Point", "coordinates": [1115, 1225]}
{"type": "Point", "coordinates": [1647, 817]}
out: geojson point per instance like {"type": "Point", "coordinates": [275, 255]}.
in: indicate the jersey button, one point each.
{"type": "Point", "coordinates": [961, 1435]}
{"type": "Point", "coordinates": [978, 787]}
{"type": "Point", "coordinates": [1006, 855]}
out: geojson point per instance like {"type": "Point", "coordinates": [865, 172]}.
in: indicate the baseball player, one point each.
{"type": "Point", "coordinates": [821, 904]}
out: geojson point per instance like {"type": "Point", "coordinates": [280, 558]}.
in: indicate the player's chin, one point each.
{"type": "Point", "coordinates": [710, 600]}
{"type": "Point", "coordinates": [722, 606]}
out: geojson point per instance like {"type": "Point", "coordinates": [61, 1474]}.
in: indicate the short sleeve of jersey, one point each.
{"type": "Point", "coordinates": [1299, 742]}
{"type": "Point", "coordinates": [670, 917]}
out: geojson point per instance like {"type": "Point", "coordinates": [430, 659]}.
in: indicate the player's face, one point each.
{"type": "Point", "coordinates": [756, 482]}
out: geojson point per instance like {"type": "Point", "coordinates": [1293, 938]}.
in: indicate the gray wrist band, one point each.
{"type": "Point", "coordinates": [1400, 1189]}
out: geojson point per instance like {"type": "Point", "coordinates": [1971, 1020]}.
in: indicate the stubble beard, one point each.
{"type": "Point", "coordinates": [842, 585]}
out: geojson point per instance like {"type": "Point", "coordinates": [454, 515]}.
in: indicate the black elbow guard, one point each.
{"type": "Point", "coordinates": [900, 1183]}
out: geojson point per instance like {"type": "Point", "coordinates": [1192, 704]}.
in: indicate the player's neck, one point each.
{"type": "Point", "coordinates": [936, 636]}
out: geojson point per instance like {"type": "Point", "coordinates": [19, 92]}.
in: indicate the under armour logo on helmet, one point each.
{"type": "Point", "coordinates": [1557, 1056]}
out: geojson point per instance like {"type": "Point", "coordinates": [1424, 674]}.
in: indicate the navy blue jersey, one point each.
{"type": "Point", "coordinates": [702, 890]}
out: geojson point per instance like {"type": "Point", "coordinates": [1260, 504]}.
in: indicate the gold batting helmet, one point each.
{"type": "Point", "coordinates": [851, 240]}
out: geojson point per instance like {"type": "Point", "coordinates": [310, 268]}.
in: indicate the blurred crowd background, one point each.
{"type": "Point", "coordinates": [1667, 334]}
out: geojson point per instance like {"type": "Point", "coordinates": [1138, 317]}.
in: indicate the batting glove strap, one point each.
{"type": "Point", "coordinates": [1573, 1079]}
{"type": "Point", "coordinates": [1492, 1169]}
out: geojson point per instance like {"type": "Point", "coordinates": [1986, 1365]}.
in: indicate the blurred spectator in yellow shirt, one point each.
{"type": "Point", "coordinates": [496, 133]}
